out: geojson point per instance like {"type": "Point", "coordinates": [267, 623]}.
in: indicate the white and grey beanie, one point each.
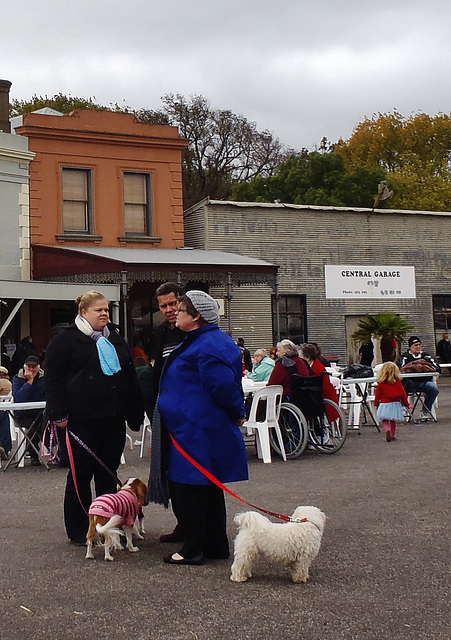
{"type": "Point", "coordinates": [205, 305]}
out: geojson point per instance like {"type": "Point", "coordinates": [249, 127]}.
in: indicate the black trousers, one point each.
{"type": "Point", "coordinates": [201, 514]}
{"type": "Point", "coordinates": [106, 438]}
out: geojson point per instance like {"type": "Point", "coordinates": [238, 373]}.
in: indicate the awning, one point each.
{"type": "Point", "coordinates": [35, 290]}
{"type": "Point", "coordinates": [21, 290]}
{"type": "Point", "coordinates": [107, 263]}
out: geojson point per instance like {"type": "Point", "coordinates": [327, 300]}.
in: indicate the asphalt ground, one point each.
{"type": "Point", "coordinates": [383, 570]}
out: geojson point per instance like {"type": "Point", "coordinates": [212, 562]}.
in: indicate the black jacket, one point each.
{"type": "Point", "coordinates": [75, 385]}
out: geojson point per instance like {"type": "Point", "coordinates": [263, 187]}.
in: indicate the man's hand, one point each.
{"type": "Point", "coordinates": [30, 373]}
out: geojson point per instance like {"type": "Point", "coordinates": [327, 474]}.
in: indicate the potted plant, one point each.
{"type": "Point", "coordinates": [386, 327]}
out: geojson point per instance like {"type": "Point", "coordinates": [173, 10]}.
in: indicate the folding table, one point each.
{"type": "Point", "coordinates": [23, 438]}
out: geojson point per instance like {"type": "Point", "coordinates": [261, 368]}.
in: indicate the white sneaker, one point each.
{"type": "Point", "coordinates": [425, 416]}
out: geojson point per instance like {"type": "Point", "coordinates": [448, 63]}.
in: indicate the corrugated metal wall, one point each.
{"type": "Point", "coordinates": [195, 229]}
{"type": "Point", "coordinates": [302, 241]}
{"type": "Point", "coordinates": [250, 315]}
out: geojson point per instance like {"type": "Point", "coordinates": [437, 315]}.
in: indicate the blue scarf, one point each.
{"type": "Point", "coordinates": [109, 362]}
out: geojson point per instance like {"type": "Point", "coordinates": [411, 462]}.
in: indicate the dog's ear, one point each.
{"type": "Point", "coordinates": [142, 493]}
{"type": "Point", "coordinates": [140, 490]}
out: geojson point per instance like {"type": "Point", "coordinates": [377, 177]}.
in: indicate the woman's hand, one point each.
{"type": "Point", "coordinates": [62, 424]}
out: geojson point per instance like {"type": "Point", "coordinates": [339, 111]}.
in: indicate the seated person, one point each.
{"type": "Point", "coordinates": [288, 362]}
{"type": "Point", "coordinates": [425, 385]}
{"type": "Point", "coordinates": [263, 367]}
{"type": "Point", "coordinates": [309, 353]}
{"type": "Point", "coordinates": [28, 386]}
{"type": "Point", "coordinates": [5, 430]}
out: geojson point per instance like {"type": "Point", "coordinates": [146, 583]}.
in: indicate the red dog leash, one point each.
{"type": "Point", "coordinates": [222, 486]}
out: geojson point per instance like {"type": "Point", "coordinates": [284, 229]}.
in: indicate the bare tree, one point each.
{"type": "Point", "coordinates": [225, 148]}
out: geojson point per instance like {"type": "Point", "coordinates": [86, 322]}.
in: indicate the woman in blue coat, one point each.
{"type": "Point", "coordinates": [201, 406]}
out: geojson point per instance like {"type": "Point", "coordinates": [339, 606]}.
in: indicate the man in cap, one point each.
{"type": "Point", "coordinates": [28, 386]}
{"type": "Point", "coordinates": [425, 385]}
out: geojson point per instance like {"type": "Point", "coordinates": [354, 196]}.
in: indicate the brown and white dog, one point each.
{"type": "Point", "coordinates": [114, 514]}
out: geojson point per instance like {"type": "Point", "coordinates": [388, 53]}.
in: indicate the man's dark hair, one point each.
{"type": "Point", "coordinates": [167, 288]}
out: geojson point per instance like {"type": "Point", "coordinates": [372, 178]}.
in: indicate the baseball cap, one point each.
{"type": "Point", "coordinates": [414, 340]}
{"type": "Point", "coordinates": [32, 361]}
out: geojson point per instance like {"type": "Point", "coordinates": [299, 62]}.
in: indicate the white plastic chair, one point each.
{"type": "Point", "coordinates": [273, 396]}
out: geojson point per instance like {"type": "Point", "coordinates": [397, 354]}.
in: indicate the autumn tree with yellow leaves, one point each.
{"type": "Point", "coordinates": [414, 153]}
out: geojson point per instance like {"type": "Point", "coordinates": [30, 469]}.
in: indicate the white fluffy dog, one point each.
{"type": "Point", "coordinates": [294, 544]}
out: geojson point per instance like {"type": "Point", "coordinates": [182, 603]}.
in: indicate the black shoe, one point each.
{"type": "Point", "coordinates": [197, 560]}
{"type": "Point", "coordinates": [78, 542]}
{"type": "Point", "coordinates": [35, 462]}
{"type": "Point", "coordinates": [216, 556]}
{"type": "Point", "coordinates": [171, 537]}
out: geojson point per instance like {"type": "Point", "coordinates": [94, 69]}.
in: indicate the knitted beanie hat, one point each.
{"type": "Point", "coordinates": [205, 305]}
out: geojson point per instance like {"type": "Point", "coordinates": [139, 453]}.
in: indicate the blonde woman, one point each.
{"type": "Point", "coordinates": [92, 389]}
{"type": "Point", "coordinates": [390, 396]}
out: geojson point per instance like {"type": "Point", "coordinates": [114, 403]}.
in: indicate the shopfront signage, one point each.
{"type": "Point", "coordinates": [350, 281]}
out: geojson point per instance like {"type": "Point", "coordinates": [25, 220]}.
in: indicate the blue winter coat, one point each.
{"type": "Point", "coordinates": [200, 401]}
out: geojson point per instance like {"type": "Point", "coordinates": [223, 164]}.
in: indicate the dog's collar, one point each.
{"type": "Point", "coordinates": [300, 520]}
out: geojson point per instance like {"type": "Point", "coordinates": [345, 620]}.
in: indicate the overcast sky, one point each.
{"type": "Point", "coordinates": [303, 69]}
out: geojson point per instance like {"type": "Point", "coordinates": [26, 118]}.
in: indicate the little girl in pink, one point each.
{"type": "Point", "coordinates": [390, 396]}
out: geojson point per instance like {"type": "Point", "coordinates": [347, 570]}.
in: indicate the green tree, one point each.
{"type": "Point", "coordinates": [59, 102]}
{"type": "Point", "coordinates": [386, 327]}
{"type": "Point", "coordinates": [414, 152]}
{"type": "Point", "coordinates": [313, 178]}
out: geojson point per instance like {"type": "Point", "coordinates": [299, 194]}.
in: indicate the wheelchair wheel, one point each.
{"type": "Point", "coordinates": [294, 430]}
{"type": "Point", "coordinates": [325, 436]}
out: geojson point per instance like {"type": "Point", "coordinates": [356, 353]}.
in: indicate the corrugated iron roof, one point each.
{"type": "Point", "coordinates": [185, 256]}
{"type": "Point", "coordinates": [300, 207]}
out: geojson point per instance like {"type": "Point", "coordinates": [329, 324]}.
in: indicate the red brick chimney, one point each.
{"type": "Point", "coordinates": [5, 124]}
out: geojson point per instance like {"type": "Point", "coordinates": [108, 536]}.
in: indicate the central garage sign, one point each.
{"type": "Point", "coordinates": [349, 281]}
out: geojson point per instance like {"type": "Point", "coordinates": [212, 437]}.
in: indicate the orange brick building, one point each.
{"type": "Point", "coordinates": [105, 179]}
{"type": "Point", "coordinates": [106, 208]}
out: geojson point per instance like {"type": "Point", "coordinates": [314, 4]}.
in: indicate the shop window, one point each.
{"type": "Point", "coordinates": [77, 200]}
{"type": "Point", "coordinates": [292, 318]}
{"type": "Point", "coordinates": [137, 204]}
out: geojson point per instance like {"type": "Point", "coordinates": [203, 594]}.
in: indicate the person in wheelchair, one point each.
{"type": "Point", "coordinates": [288, 362]}
{"type": "Point", "coordinates": [309, 353]}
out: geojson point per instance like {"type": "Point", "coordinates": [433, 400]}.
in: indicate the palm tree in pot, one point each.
{"type": "Point", "coordinates": [386, 327]}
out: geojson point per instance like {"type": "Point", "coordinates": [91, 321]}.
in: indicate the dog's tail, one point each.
{"type": "Point", "coordinates": [113, 523]}
{"type": "Point", "coordinates": [111, 532]}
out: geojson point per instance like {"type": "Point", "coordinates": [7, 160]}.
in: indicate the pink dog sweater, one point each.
{"type": "Point", "coordinates": [123, 503]}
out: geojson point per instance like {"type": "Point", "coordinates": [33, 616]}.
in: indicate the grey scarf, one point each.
{"type": "Point", "coordinates": [158, 491]}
